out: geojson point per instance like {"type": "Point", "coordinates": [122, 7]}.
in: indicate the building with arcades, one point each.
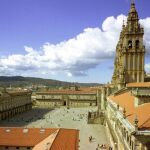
{"type": "Point", "coordinates": [14, 102]}
{"type": "Point", "coordinates": [82, 97]}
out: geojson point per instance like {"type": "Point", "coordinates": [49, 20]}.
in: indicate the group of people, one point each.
{"type": "Point", "coordinates": [90, 139]}
{"type": "Point", "coordinates": [103, 146]}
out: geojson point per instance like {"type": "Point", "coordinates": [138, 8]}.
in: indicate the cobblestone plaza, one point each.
{"type": "Point", "coordinates": [75, 118]}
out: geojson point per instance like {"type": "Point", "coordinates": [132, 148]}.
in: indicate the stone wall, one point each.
{"type": "Point", "coordinates": [11, 105]}
{"type": "Point", "coordinates": [69, 100]}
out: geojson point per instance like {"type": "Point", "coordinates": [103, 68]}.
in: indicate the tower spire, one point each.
{"type": "Point", "coordinates": [132, 1]}
{"type": "Point", "coordinates": [132, 15]}
{"type": "Point", "coordinates": [127, 51]}
{"type": "Point", "coordinates": [132, 9]}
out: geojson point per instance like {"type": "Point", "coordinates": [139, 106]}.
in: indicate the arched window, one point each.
{"type": "Point", "coordinates": [130, 44]}
{"type": "Point", "coordinates": [137, 43]}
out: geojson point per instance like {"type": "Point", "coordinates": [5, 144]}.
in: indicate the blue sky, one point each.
{"type": "Point", "coordinates": [40, 29]}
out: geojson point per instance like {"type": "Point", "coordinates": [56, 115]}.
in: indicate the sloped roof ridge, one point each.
{"type": "Point", "coordinates": [58, 132]}
{"type": "Point", "coordinates": [147, 121]}
{"type": "Point", "coordinates": [121, 91]}
{"type": "Point", "coordinates": [48, 141]}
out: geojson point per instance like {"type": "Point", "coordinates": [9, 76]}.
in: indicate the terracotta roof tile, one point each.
{"type": "Point", "coordinates": [67, 139]}
{"type": "Point", "coordinates": [60, 139]}
{"type": "Point", "coordinates": [16, 137]}
{"type": "Point", "coordinates": [126, 100]}
{"type": "Point", "coordinates": [83, 91]}
{"type": "Point", "coordinates": [139, 84]}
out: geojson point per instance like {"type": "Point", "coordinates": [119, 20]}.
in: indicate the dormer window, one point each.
{"type": "Point", "coordinates": [130, 44]}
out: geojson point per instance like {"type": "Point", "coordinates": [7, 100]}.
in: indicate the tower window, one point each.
{"type": "Point", "coordinates": [43, 97]}
{"type": "Point", "coordinates": [137, 43]}
{"type": "Point", "coordinates": [130, 44]}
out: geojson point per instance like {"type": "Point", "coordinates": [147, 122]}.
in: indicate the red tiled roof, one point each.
{"type": "Point", "coordinates": [67, 139]}
{"type": "Point", "coordinates": [16, 137]}
{"type": "Point", "coordinates": [126, 100]}
{"type": "Point", "coordinates": [139, 84]}
{"type": "Point", "coordinates": [83, 91]}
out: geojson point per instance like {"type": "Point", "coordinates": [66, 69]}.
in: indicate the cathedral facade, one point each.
{"type": "Point", "coordinates": [130, 52]}
{"type": "Point", "coordinates": [126, 102]}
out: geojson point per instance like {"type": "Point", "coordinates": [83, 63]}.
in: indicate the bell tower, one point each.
{"type": "Point", "coordinates": [130, 52]}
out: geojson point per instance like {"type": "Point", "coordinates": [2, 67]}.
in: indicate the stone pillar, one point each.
{"type": "Point", "coordinates": [131, 61]}
{"type": "Point", "coordinates": [98, 97]}
{"type": "Point", "coordinates": [142, 74]}
{"type": "Point", "coordinates": [133, 76]}
{"type": "Point", "coordinates": [129, 56]}
{"type": "Point", "coordinates": [134, 62]}
{"type": "Point", "coordinates": [127, 61]}
{"type": "Point", "coordinates": [67, 102]}
{"type": "Point", "coordinates": [138, 69]}
{"type": "Point", "coordinates": [103, 98]}
{"type": "Point", "coordinates": [135, 67]}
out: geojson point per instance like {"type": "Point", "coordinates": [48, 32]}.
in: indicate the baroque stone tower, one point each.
{"type": "Point", "coordinates": [130, 52]}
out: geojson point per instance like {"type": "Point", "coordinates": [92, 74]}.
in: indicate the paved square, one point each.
{"type": "Point", "coordinates": [63, 118]}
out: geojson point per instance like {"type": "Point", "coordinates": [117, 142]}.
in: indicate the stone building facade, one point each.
{"type": "Point", "coordinates": [128, 117]}
{"type": "Point", "coordinates": [130, 52]}
{"type": "Point", "coordinates": [12, 103]}
{"type": "Point", "coordinates": [126, 102]}
{"type": "Point", "coordinates": [68, 98]}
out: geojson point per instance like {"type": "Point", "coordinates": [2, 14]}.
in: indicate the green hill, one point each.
{"type": "Point", "coordinates": [19, 81]}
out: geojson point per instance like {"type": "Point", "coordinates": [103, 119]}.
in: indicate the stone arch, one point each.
{"type": "Point", "coordinates": [129, 44]}
{"type": "Point", "coordinates": [137, 43]}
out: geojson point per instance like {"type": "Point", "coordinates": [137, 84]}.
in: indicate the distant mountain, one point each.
{"type": "Point", "coordinates": [19, 81]}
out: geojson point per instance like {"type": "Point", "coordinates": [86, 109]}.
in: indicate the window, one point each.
{"type": "Point", "coordinates": [43, 97]}
{"type": "Point", "coordinates": [130, 44]}
{"type": "Point", "coordinates": [137, 43]}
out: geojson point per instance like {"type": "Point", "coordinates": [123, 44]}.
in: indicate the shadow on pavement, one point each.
{"type": "Point", "coordinates": [26, 118]}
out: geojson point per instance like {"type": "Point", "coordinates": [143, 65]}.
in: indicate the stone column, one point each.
{"type": "Point", "coordinates": [131, 61]}
{"type": "Point", "coordinates": [67, 102]}
{"type": "Point", "coordinates": [142, 62]}
{"type": "Point", "coordinates": [98, 100]}
{"type": "Point", "coordinates": [103, 97]}
{"type": "Point", "coordinates": [127, 61]}
{"type": "Point", "coordinates": [142, 68]}
{"type": "Point", "coordinates": [138, 67]}
{"type": "Point", "coordinates": [129, 56]}
{"type": "Point", "coordinates": [134, 62]}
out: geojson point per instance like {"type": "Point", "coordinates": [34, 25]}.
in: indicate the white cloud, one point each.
{"type": "Point", "coordinates": [75, 56]}
{"type": "Point", "coordinates": [69, 74]}
{"type": "Point", "coordinates": [147, 68]}
{"type": "Point", "coordinates": [146, 24]}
